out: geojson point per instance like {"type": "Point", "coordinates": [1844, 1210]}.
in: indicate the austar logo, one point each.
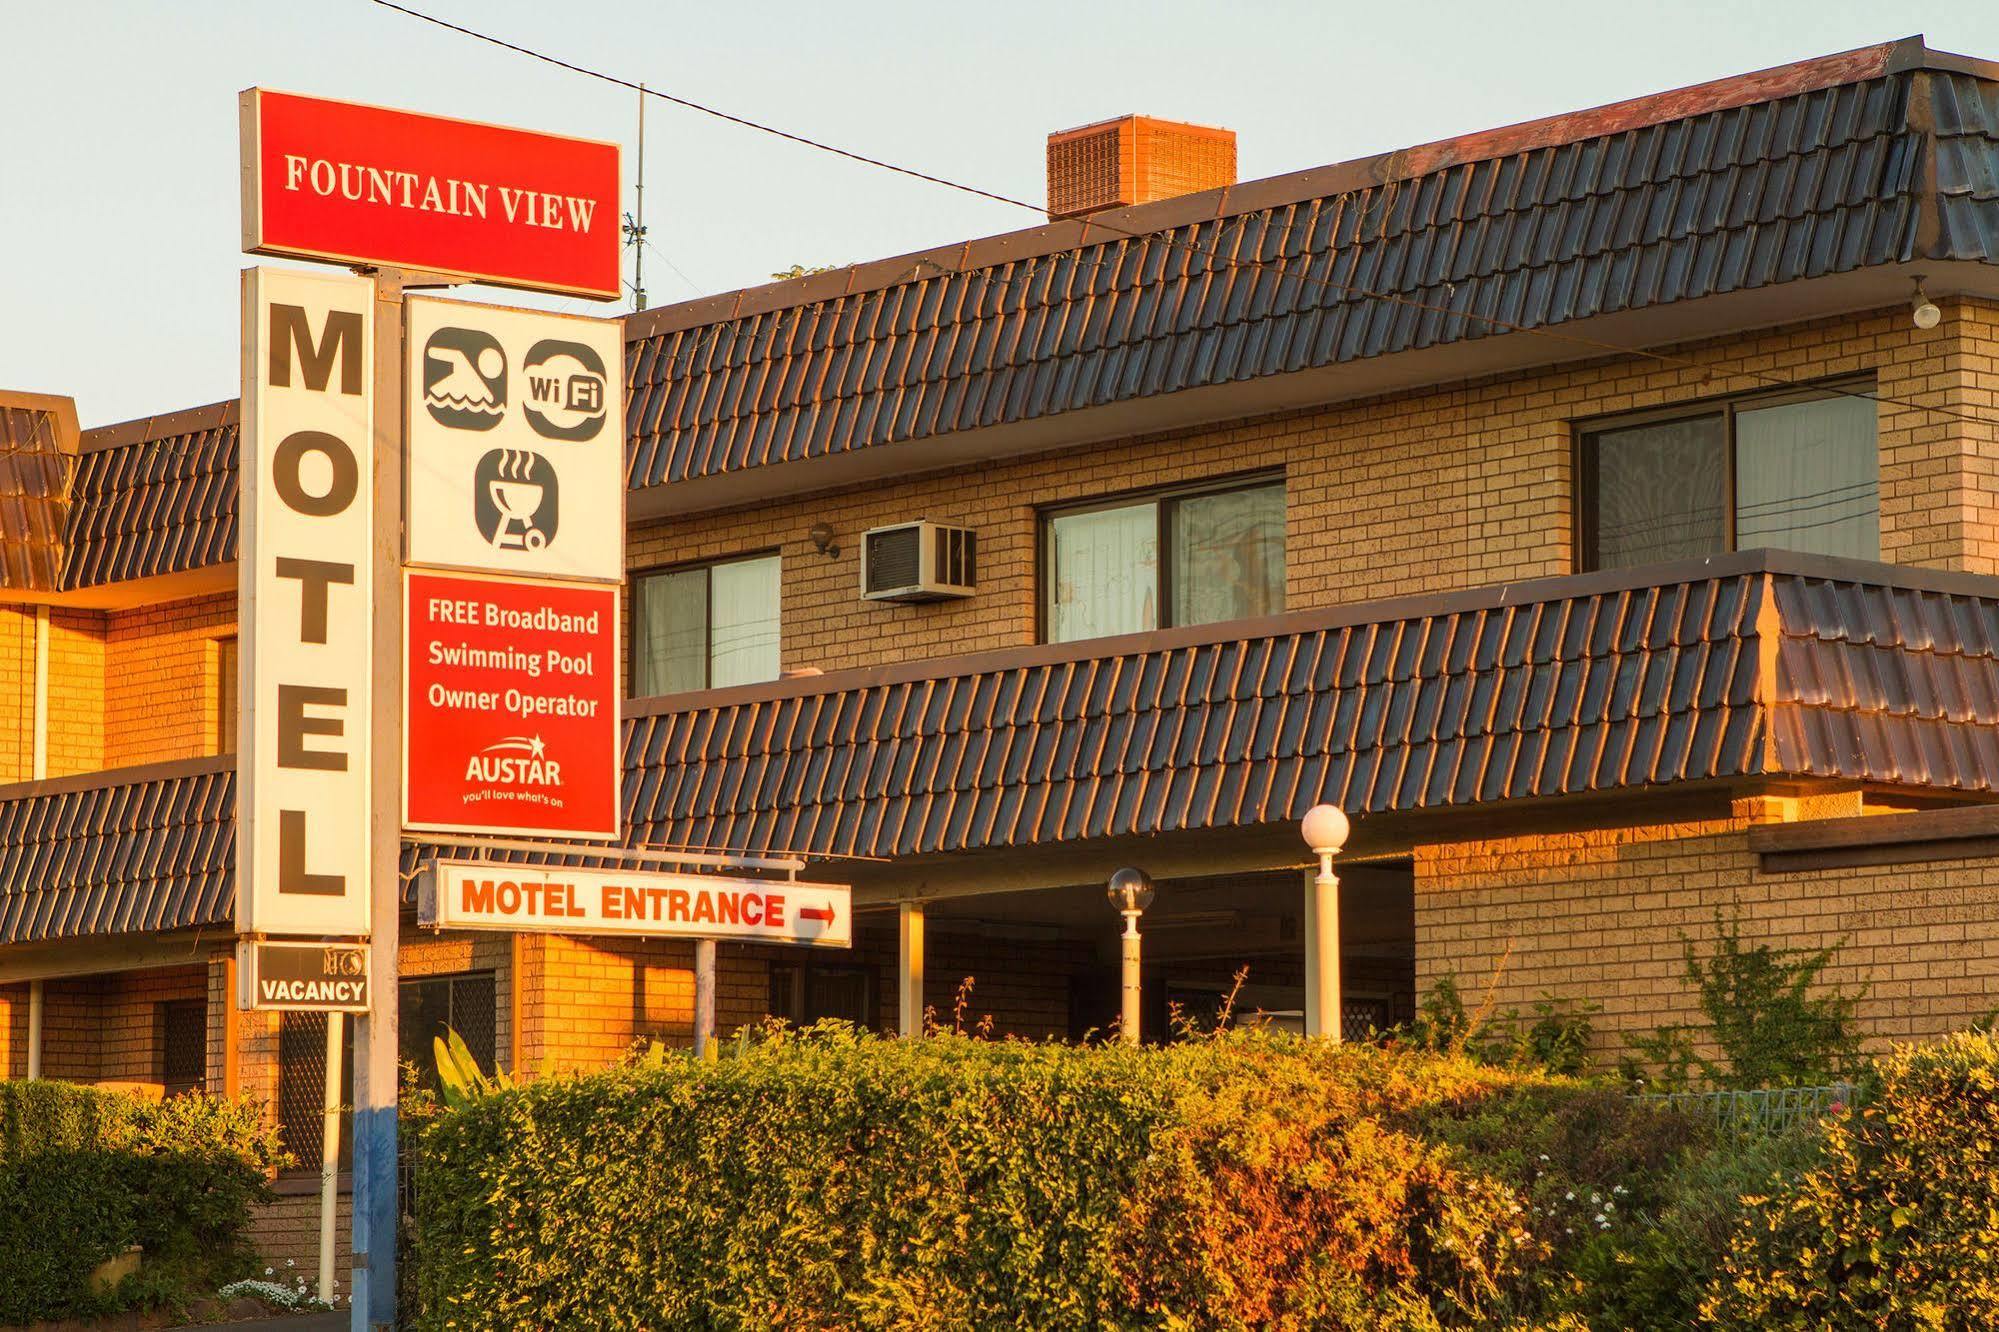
{"type": "Point", "coordinates": [518, 760]}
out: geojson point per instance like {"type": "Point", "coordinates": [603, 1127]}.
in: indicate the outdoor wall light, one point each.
{"type": "Point", "coordinates": [822, 541]}
{"type": "Point", "coordinates": [1130, 892]}
{"type": "Point", "coordinates": [1922, 309]}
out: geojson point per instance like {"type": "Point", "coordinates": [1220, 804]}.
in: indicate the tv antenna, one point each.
{"type": "Point", "coordinates": [635, 221]}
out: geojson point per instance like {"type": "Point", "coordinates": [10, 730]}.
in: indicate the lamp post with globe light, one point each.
{"type": "Point", "coordinates": [1325, 829]}
{"type": "Point", "coordinates": [1131, 892]}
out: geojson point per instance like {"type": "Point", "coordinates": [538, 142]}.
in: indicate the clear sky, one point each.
{"type": "Point", "coordinates": [118, 187]}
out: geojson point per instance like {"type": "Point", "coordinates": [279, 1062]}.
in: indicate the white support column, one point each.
{"type": "Point", "coordinates": [40, 769]}
{"type": "Point", "coordinates": [35, 1015]}
{"type": "Point", "coordinates": [1322, 951]}
{"type": "Point", "coordinates": [1131, 982]}
{"type": "Point", "coordinates": [909, 984]}
{"type": "Point", "coordinates": [329, 1154]}
{"type": "Point", "coordinates": [1314, 1020]}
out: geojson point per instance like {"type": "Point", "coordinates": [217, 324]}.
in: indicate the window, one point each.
{"type": "Point", "coordinates": [183, 1026]}
{"type": "Point", "coordinates": [302, 1088]}
{"type": "Point", "coordinates": [1801, 472]}
{"type": "Point", "coordinates": [1180, 557]}
{"type": "Point", "coordinates": [467, 1002]}
{"type": "Point", "coordinates": [225, 695]}
{"type": "Point", "coordinates": [804, 993]}
{"type": "Point", "coordinates": [705, 627]}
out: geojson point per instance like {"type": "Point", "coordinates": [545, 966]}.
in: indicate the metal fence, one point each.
{"type": "Point", "coordinates": [1765, 1110]}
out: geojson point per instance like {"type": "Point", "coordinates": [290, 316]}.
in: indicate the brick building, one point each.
{"type": "Point", "coordinates": [1604, 511]}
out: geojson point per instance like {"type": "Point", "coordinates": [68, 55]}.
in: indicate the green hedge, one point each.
{"type": "Point", "coordinates": [833, 1180]}
{"type": "Point", "coordinates": [1893, 1220]}
{"type": "Point", "coordinates": [84, 1174]}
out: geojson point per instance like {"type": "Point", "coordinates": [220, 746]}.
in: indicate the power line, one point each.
{"type": "Point", "coordinates": [645, 91]}
{"type": "Point", "coordinates": [1166, 238]}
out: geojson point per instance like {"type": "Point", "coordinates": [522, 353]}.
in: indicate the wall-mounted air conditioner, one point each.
{"type": "Point", "coordinates": [918, 561]}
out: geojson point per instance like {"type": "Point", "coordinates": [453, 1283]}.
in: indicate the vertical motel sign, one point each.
{"type": "Point", "coordinates": [396, 192]}
{"type": "Point", "coordinates": [304, 583]}
{"type": "Point", "coordinates": [344, 183]}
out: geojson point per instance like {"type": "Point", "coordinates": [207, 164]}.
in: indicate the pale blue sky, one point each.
{"type": "Point", "coordinates": [118, 197]}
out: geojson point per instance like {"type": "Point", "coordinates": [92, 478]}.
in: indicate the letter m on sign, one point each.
{"type": "Point", "coordinates": [339, 340]}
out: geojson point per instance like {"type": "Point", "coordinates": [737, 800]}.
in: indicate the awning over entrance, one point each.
{"type": "Point", "coordinates": [1747, 667]}
{"type": "Point", "coordinates": [1757, 664]}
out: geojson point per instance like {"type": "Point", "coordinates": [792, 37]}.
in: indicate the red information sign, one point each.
{"type": "Point", "coordinates": [510, 722]}
{"type": "Point", "coordinates": [368, 185]}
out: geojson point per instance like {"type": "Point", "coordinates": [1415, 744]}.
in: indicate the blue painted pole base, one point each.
{"type": "Point", "coordinates": [376, 1206]}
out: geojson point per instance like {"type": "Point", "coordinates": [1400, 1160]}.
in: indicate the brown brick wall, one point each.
{"type": "Point", "coordinates": [1598, 915]}
{"type": "Point", "coordinates": [76, 691]}
{"type": "Point", "coordinates": [17, 693]}
{"type": "Point", "coordinates": [1455, 487]}
{"type": "Point", "coordinates": [96, 1028]}
{"type": "Point", "coordinates": [160, 680]}
{"type": "Point", "coordinates": [587, 1001]}
{"type": "Point", "coordinates": [286, 1233]}
{"type": "Point", "coordinates": [129, 1047]}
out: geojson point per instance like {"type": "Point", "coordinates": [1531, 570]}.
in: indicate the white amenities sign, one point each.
{"type": "Point", "coordinates": [462, 895]}
{"type": "Point", "coordinates": [304, 576]}
{"type": "Point", "coordinates": [516, 441]}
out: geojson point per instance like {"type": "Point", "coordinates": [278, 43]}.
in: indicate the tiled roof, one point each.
{"type": "Point", "coordinates": [1694, 203]}
{"type": "Point", "coordinates": [1562, 687]}
{"type": "Point", "coordinates": [120, 853]}
{"type": "Point", "coordinates": [34, 466]}
{"type": "Point", "coordinates": [157, 504]}
{"type": "Point", "coordinates": [1874, 157]}
{"type": "Point", "coordinates": [1542, 689]}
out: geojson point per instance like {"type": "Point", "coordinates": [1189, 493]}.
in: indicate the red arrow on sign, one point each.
{"type": "Point", "coordinates": [824, 914]}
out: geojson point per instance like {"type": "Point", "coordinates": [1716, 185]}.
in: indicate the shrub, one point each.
{"type": "Point", "coordinates": [1555, 1040]}
{"type": "Point", "coordinates": [829, 1179]}
{"type": "Point", "coordinates": [1761, 1012]}
{"type": "Point", "coordinates": [1653, 1273]}
{"type": "Point", "coordinates": [1591, 1165]}
{"type": "Point", "coordinates": [1896, 1221]}
{"type": "Point", "coordinates": [85, 1174]}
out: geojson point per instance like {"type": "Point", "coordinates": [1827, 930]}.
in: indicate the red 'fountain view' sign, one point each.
{"type": "Point", "coordinates": [368, 185]}
{"type": "Point", "coordinates": [511, 719]}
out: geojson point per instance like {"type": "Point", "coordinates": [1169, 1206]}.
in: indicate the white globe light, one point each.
{"type": "Point", "coordinates": [1325, 828]}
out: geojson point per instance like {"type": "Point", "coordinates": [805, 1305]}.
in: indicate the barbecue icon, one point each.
{"type": "Point", "coordinates": [514, 499]}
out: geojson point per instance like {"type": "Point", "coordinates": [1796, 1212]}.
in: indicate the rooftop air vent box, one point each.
{"type": "Point", "coordinates": [918, 561]}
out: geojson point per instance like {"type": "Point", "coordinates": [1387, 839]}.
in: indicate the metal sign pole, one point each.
{"type": "Point", "coordinates": [704, 996]}
{"type": "Point", "coordinates": [373, 1288]}
{"type": "Point", "coordinates": [329, 1153]}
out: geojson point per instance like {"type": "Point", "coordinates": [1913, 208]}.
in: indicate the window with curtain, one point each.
{"type": "Point", "coordinates": [1799, 472]}
{"type": "Point", "coordinates": [1176, 558]}
{"type": "Point", "coordinates": [705, 627]}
